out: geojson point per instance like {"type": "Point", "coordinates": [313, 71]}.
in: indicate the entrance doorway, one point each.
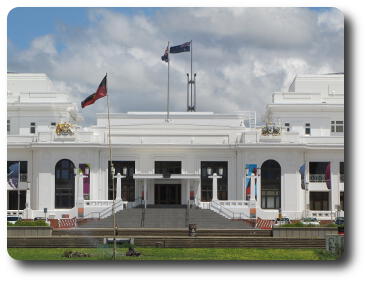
{"type": "Point", "coordinates": [167, 193]}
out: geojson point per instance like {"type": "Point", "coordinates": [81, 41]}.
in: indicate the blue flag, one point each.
{"type": "Point", "coordinates": [185, 47]}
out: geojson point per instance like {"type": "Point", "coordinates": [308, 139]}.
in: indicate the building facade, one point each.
{"type": "Point", "coordinates": [293, 165]}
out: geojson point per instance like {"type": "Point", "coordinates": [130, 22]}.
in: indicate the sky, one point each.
{"type": "Point", "coordinates": [241, 55]}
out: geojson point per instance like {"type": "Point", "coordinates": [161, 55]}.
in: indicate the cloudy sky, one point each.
{"type": "Point", "coordinates": [240, 55]}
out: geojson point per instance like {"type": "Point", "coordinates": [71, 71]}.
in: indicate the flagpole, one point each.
{"type": "Point", "coordinates": [167, 120]}
{"type": "Point", "coordinates": [191, 74]}
{"type": "Point", "coordinates": [112, 172]}
{"type": "Point", "coordinates": [18, 187]}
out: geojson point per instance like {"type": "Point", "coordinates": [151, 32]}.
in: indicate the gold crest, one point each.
{"type": "Point", "coordinates": [64, 129]}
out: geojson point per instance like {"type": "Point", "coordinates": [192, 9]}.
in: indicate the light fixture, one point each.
{"type": "Point", "coordinates": [209, 171]}
{"type": "Point", "coordinates": [124, 171]}
{"type": "Point", "coordinates": [220, 171]}
{"type": "Point", "coordinates": [86, 170]}
{"type": "Point", "coordinates": [113, 170]}
{"type": "Point", "coordinates": [76, 171]}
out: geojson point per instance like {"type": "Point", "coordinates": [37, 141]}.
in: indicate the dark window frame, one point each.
{"type": "Point", "coordinates": [207, 183]}
{"type": "Point", "coordinates": [271, 184]}
{"type": "Point", "coordinates": [32, 128]}
{"type": "Point", "coordinates": [127, 183]}
{"type": "Point", "coordinates": [320, 201]}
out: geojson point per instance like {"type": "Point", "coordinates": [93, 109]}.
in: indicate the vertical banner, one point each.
{"type": "Point", "coordinates": [328, 176]}
{"type": "Point", "coordinates": [86, 181]}
{"type": "Point", "coordinates": [13, 174]}
{"type": "Point", "coordinates": [250, 169]}
{"type": "Point", "coordinates": [302, 171]}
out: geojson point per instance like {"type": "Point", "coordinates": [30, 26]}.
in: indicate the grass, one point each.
{"type": "Point", "coordinates": [174, 254]}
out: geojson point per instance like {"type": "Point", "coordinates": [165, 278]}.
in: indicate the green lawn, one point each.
{"type": "Point", "coordinates": [174, 254]}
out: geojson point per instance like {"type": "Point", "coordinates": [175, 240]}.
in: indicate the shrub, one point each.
{"type": "Point", "coordinates": [29, 223]}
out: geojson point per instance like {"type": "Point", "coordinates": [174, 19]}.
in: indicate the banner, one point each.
{"type": "Point", "coordinates": [328, 176]}
{"type": "Point", "coordinates": [250, 169]}
{"type": "Point", "coordinates": [302, 171]}
{"type": "Point", "coordinates": [13, 174]}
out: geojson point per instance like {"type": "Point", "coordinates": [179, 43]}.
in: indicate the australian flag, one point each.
{"type": "Point", "coordinates": [165, 55]}
{"type": "Point", "coordinates": [185, 47]}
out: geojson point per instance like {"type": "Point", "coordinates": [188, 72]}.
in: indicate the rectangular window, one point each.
{"type": "Point", "coordinates": [319, 201]}
{"type": "Point", "coordinates": [287, 127]}
{"type": "Point", "coordinates": [317, 172]}
{"type": "Point", "coordinates": [342, 200]}
{"type": "Point", "coordinates": [308, 129]}
{"type": "Point", "coordinates": [33, 128]}
{"type": "Point", "coordinates": [14, 168]}
{"type": "Point", "coordinates": [208, 168]}
{"type": "Point", "coordinates": [8, 126]}
{"type": "Point", "coordinates": [127, 169]}
{"type": "Point", "coordinates": [337, 126]}
{"type": "Point", "coordinates": [341, 172]}
{"type": "Point", "coordinates": [53, 123]}
{"type": "Point", "coordinates": [167, 167]}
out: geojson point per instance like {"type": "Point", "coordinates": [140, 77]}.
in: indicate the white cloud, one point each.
{"type": "Point", "coordinates": [240, 55]}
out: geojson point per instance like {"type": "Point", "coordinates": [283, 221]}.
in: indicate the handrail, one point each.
{"type": "Point", "coordinates": [222, 209]}
{"type": "Point", "coordinates": [104, 211]}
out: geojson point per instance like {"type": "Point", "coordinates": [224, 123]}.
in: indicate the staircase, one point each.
{"type": "Point", "coordinates": [167, 217]}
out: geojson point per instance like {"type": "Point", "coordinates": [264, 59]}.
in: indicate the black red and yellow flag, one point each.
{"type": "Point", "coordinates": [100, 92]}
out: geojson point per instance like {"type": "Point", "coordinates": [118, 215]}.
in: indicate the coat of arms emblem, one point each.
{"type": "Point", "coordinates": [64, 129]}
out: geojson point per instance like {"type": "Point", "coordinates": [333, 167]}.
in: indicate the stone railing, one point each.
{"type": "Point", "coordinates": [101, 208]}
{"type": "Point", "coordinates": [317, 178]}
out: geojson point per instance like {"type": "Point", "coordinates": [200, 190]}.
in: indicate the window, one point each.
{"type": "Point", "coordinates": [127, 169]}
{"type": "Point", "coordinates": [167, 167]}
{"type": "Point", "coordinates": [337, 127]}
{"type": "Point", "coordinates": [319, 201]}
{"type": "Point", "coordinates": [33, 128]}
{"type": "Point", "coordinates": [53, 124]}
{"type": "Point", "coordinates": [209, 168]}
{"type": "Point", "coordinates": [342, 200]}
{"type": "Point", "coordinates": [64, 184]}
{"type": "Point", "coordinates": [8, 126]}
{"type": "Point", "coordinates": [23, 170]}
{"type": "Point", "coordinates": [341, 172]}
{"type": "Point", "coordinates": [270, 185]}
{"type": "Point", "coordinates": [308, 129]}
{"type": "Point", "coordinates": [287, 127]}
{"type": "Point", "coordinates": [318, 172]}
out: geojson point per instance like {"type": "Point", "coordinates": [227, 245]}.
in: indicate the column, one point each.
{"type": "Point", "coordinates": [145, 193]}
{"type": "Point", "coordinates": [81, 187]}
{"type": "Point", "coordinates": [188, 190]}
{"type": "Point", "coordinates": [252, 187]}
{"type": "Point", "coordinates": [118, 178]}
{"type": "Point", "coordinates": [80, 196]}
{"type": "Point", "coordinates": [215, 185]}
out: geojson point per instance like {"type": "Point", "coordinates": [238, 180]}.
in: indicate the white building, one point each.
{"type": "Point", "coordinates": [174, 162]}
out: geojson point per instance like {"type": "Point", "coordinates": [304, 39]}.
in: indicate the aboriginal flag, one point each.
{"type": "Point", "coordinates": [100, 92]}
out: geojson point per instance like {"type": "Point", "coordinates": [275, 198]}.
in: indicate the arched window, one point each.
{"type": "Point", "coordinates": [270, 184]}
{"type": "Point", "coordinates": [64, 184]}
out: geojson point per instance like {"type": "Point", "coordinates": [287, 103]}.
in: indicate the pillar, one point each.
{"type": "Point", "coordinates": [118, 178]}
{"type": "Point", "coordinates": [145, 193]}
{"type": "Point", "coordinates": [215, 185]}
{"type": "Point", "coordinates": [252, 187]}
{"type": "Point", "coordinates": [188, 190]}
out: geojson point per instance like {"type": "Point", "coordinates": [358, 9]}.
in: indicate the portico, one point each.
{"type": "Point", "coordinates": [152, 186]}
